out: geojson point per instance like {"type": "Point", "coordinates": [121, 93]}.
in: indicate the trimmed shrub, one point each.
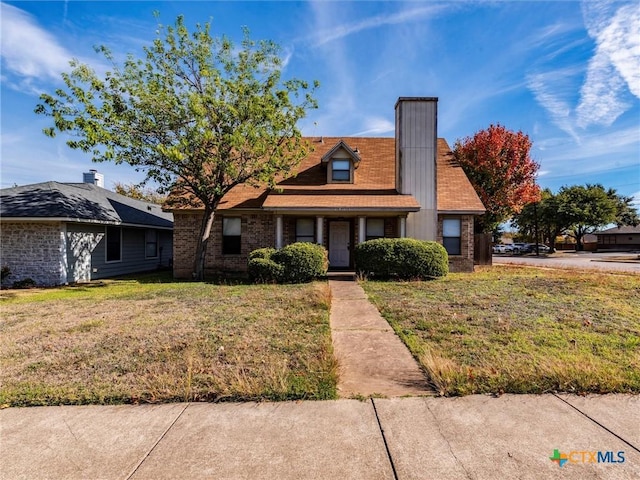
{"type": "Point", "coordinates": [405, 258]}
{"type": "Point", "coordinates": [302, 262]}
{"type": "Point", "coordinates": [264, 270]}
{"type": "Point", "coordinates": [265, 253]}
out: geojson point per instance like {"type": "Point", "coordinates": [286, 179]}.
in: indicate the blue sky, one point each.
{"type": "Point", "coordinates": [566, 73]}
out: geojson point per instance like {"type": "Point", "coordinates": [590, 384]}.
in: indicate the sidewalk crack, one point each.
{"type": "Point", "coordinates": [384, 440]}
{"type": "Point", "coordinates": [144, 458]}
{"type": "Point", "coordinates": [598, 423]}
{"type": "Point", "coordinates": [467, 473]}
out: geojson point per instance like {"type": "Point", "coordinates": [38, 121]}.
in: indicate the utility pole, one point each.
{"type": "Point", "coordinates": [535, 223]}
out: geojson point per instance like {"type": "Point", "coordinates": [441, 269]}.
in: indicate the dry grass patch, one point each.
{"type": "Point", "coordinates": [130, 341]}
{"type": "Point", "coordinates": [520, 330]}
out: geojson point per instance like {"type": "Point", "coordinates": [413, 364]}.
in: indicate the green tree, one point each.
{"type": "Point", "coordinates": [139, 193]}
{"type": "Point", "coordinates": [197, 115]}
{"type": "Point", "coordinates": [545, 214]}
{"type": "Point", "coordinates": [586, 209]}
{"type": "Point", "coordinates": [498, 164]}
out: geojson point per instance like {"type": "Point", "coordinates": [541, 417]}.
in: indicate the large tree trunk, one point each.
{"type": "Point", "coordinates": [203, 240]}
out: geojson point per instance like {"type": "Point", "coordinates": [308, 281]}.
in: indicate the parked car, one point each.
{"type": "Point", "coordinates": [519, 248]}
{"type": "Point", "coordinates": [501, 248]}
{"type": "Point", "coordinates": [542, 248]}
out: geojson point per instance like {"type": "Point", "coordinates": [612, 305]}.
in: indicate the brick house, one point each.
{"type": "Point", "coordinates": [57, 233]}
{"type": "Point", "coordinates": [348, 190]}
{"type": "Point", "coordinates": [625, 238]}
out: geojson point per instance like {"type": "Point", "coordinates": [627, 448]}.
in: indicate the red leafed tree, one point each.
{"type": "Point", "coordinates": [499, 166]}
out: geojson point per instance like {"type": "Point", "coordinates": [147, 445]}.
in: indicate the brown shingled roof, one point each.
{"type": "Point", "coordinates": [373, 188]}
{"type": "Point", "coordinates": [455, 192]}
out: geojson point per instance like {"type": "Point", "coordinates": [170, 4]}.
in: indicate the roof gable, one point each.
{"type": "Point", "coordinates": [353, 154]}
{"type": "Point", "coordinates": [79, 202]}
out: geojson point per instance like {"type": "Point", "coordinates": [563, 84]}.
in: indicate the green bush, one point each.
{"type": "Point", "coordinates": [404, 258]}
{"type": "Point", "coordinates": [302, 262]}
{"type": "Point", "coordinates": [296, 263]}
{"type": "Point", "coordinates": [264, 270]}
{"type": "Point", "coordinates": [265, 253]}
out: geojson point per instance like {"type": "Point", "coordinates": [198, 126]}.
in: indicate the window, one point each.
{"type": "Point", "coordinates": [304, 230]}
{"type": "Point", "coordinates": [151, 244]}
{"type": "Point", "coordinates": [451, 235]}
{"type": "Point", "coordinates": [114, 244]}
{"type": "Point", "coordinates": [341, 171]}
{"type": "Point", "coordinates": [231, 230]}
{"type": "Point", "coordinates": [375, 228]}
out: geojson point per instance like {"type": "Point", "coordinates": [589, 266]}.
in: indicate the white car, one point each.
{"type": "Point", "coordinates": [500, 248]}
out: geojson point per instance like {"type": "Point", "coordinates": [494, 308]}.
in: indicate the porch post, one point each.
{"type": "Point", "coordinates": [362, 229]}
{"type": "Point", "coordinates": [402, 226]}
{"type": "Point", "coordinates": [319, 230]}
{"type": "Point", "coordinates": [279, 231]}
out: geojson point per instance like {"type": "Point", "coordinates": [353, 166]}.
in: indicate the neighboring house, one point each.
{"type": "Point", "coordinates": [619, 238]}
{"type": "Point", "coordinates": [57, 233]}
{"type": "Point", "coordinates": [348, 190]}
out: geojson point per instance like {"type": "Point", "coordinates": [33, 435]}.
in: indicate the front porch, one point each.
{"type": "Point", "coordinates": [339, 234]}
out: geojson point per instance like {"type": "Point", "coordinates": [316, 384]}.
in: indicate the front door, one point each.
{"type": "Point", "coordinates": [339, 244]}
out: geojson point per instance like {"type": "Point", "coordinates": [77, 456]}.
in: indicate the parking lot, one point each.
{"type": "Point", "coordinates": [607, 261]}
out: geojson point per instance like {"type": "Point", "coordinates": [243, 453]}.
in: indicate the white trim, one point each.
{"type": "Point", "coordinates": [279, 232]}
{"type": "Point", "coordinates": [319, 230]}
{"type": "Point", "coordinates": [64, 275]}
{"type": "Point", "coordinates": [362, 229]}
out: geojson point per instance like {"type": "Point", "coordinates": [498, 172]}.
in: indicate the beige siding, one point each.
{"type": "Point", "coordinates": [416, 142]}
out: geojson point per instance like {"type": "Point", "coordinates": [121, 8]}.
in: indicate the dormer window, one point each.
{"type": "Point", "coordinates": [341, 170]}
{"type": "Point", "coordinates": [341, 162]}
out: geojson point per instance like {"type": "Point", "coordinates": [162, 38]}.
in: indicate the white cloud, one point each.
{"type": "Point", "coordinates": [376, 126]}
{"type": "Point", "coordinates": [545, 88]}
{"type": "Point", "coordinates": [614, 67]}
{"type": "Point", "coordinates": [336, 31]}
{"type": "Point", "coordinates": [601, 100]}
{"type": "Point", "coordinates": [612, 71]}
{"type": "Point", "coordinates": [620, 41]}
{"type": "Point", "coordinates": [27, 49]}
{"type": "Point", "coordinates": [636, 199]}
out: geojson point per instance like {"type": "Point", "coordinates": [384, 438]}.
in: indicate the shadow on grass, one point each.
{"type": "Point", "coordinates": [166, 276]}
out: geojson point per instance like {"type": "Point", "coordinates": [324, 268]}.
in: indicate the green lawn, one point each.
{"type": "Point", "coordinates": [520, 330]}
{"type": "Point", "coordinates": [155, 340]}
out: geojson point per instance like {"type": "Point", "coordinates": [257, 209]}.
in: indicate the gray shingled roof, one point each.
{"type": "Point", "coordinates": [79, 202]}
{"type": "Point", "coordinates": [624, 230]}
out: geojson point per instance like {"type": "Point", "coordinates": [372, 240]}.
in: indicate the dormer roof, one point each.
{"type": "Point", "coordinates": [354, 154]}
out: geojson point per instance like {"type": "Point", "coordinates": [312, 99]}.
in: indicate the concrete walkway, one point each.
{"type": "Point", "coordinates": [372, 359]}
{"type": "Point", "coordinates": [475, 437]}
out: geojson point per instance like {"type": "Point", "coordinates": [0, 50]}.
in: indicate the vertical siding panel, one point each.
{"type": "Point", "coordinates": [416, 136]}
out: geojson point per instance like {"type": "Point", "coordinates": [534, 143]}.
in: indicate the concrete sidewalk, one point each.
{"type": "Point", "coordinates": [371, 357]}
{"type": "Point", "coordinates": [477, 437]}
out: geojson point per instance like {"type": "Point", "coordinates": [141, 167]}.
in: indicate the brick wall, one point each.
{"type": "Point", "coordinates": [34, 250]}
{"type": "Point", "coordinates": [257, 230]}
{"type": "Point", "coordinates": [186, 228]}
{"type": "Point", "coordinates": [464, 261]}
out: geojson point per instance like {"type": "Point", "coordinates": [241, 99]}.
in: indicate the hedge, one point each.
{"type": "Point", "coordinates": [404, 258]}
{"type": "Point", "coordinates": [296, 263]}
{"type": "Point", "coordinates": [264, 270]}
